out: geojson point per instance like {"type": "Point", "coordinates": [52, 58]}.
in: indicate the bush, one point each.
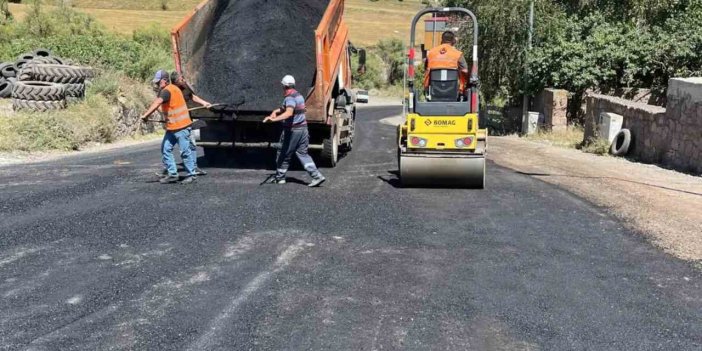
{"type": "Point", "coordinates": [579, 45]}
{"type": "Point", "coordinates": [94, 120]}
{"type": "Point", "coordinates": [153, 36]}
{"type": "Point", "coordinates": [597, 146]}
{"type": "Point", "coordinates": [372, 78]}
{"type": "Point", "coordinates": [59, 130]}
{"type": "Point", "coordinates": [385, 65]}
{"type": "Point", "coordinates": [392, 55]}
{"type": "Point", "coordinates": [77, 36]}
{"type": "Point", "coordinates": [107, 85]}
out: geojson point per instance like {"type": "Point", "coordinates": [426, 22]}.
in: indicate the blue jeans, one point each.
{"type": "Point", "coordinates": [193, 147]}
{"type": "Point", "coordinates": [182, 139]}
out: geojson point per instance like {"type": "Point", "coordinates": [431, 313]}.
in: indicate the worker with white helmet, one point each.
{"type": "Point", "coordinates": [295, 137]}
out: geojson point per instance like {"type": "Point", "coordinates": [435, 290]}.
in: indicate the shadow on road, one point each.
{"type": "Point", "coordinates": [260, 159]}
{"type": "Point", "coordinates": [393, 179]}
{"type": "Point", "coordinates": [236, 158]}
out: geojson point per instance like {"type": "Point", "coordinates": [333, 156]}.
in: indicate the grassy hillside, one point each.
{"type": "Point", "coordinates": [368, 21]}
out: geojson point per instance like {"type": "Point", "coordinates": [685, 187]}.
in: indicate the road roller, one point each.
{"type": "Point", "coordinates": [440, 142]}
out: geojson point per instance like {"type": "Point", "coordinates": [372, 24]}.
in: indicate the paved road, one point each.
{"type": "Point", "coordinates": [95, 256]}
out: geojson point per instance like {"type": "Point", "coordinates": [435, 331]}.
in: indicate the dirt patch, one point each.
{"type": "Point", "coordinates": [664, 205]}
{"type": "Point", "coordinates": [253, 44]}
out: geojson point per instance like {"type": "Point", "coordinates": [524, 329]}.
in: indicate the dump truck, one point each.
{"type": "Point", "coordinates": [440, 142]}
{"type": "Point", "coordinates": [234, 53]}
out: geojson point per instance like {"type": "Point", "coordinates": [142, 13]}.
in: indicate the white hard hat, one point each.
{"type": "Point", "coordinates": [288, 81]}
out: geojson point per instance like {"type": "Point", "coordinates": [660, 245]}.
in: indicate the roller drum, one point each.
{"type": "Point", "coordinates": [442, 170]}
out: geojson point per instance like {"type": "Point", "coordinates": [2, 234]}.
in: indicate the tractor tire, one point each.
{"type": "Point", "coordinates": [76, 90]}
{"type": "Point", "coordinates": [25, 57]}
{"type": "Point", "coordinates": [59, 73]}
{"type": "Point", "coordinates": [21, 63]}
{"type": "Point", "coordinates": [42, 53]}
{"type": "Point", "coordinates": [27, 71]}
{"type": "Point", "coordinates": [88, 72]}
{"type": "Point", "coordinates": [38, 91]}
{"type": "Point", "coordinates": [621, 144]}
{"type": "Point", "coordinates": [40, 106]}
{"type": "Point", "coordinates": [42, 60]}
{"type": "Point", "coordinates": [25, 74]}
{"type": "Point", "coordinates": [9, 71]}
{"type": "Point", "coordinates": [5, 89]}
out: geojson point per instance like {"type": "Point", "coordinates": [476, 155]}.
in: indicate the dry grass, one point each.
{"type": "Point", "coordinates": [368, 21]}
{"type": "Point", "coordinates": [570, 138]}
{"type": "Point", "coordinates": [121, 21]}
{"type": "Point", "coordinates": [61, 130]}
{"type": "Point", "coordinates": [597, 147]}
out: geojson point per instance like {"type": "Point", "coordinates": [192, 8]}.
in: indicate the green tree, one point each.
{"type": "Point", "coordinates": [586, 44]}
{"type": "Point", "coordinates": [392, 53]}
{"type": "Point", "coordinates": [5, 15]}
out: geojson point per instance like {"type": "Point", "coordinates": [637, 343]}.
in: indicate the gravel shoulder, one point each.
{"type": "Point", "coordinates": [662, 204]}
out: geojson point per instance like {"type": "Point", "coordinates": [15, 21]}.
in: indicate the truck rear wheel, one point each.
{"type": "Point", "coordinates": [330, 151]}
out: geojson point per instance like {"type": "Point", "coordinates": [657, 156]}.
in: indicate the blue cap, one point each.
{"type": "Point", "coordinates": [161, 74]}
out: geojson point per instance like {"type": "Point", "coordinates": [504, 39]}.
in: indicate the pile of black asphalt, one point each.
{"type": "Point", "coordinates": [252, 45]}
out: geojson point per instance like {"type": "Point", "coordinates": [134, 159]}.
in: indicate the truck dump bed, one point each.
{"type": "Point", "coordinates": [235, 52]}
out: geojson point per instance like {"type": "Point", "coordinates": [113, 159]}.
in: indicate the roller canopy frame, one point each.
{"type": "Point", "coordinates": [474, 77]}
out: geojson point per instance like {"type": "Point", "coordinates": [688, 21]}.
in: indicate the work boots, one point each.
{"type": "Point", "coordinates": [169, 179]}
{"type": "Point", "coordinates": [317, 181]}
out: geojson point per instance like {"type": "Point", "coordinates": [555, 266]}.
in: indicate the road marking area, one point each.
{"type": "Point", "coordinates": [207, 340]}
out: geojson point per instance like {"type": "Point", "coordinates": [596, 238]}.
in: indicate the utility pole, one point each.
{"type": "Point", "coordinates": [525, 107]}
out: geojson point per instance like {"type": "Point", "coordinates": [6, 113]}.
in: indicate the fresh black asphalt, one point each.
{"type": "Point", "coordinates": [94, 255]}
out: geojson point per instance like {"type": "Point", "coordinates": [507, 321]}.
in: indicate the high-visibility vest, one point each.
{"type": "Point", "coordinates": [444, 56]}
{"type": "Point", "coordinates": [176, 110]}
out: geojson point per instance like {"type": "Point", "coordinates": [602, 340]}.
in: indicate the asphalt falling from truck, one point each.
{"type": "Point", "coordinates": [253, 44]}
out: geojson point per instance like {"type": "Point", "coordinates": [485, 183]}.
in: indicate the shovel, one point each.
{"type": "Point", "coordinates": [204, 107]}
{"type": "Point", "coordinates": [267, 180]}
{"type": "Point", "coordinates": [197, 124]}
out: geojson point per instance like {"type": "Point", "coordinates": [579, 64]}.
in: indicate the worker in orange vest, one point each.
{"type": "Point", "coordinates": [188, 94]}
{"type": "Point", "coordinates": [446, 56]}
{"type": "Point", "coordinates": [173, 106]}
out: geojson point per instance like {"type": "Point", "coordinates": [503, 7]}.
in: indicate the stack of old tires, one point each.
{"type": "Point", "coordinates": [42, 82]}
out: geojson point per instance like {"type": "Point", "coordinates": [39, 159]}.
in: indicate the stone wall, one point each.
{"type": "Point", "coordinates": [671, 137]}
{"type": "Point", "coordinates": [553, 104]}
{"type": "Point", "coordinates": [684, 122]}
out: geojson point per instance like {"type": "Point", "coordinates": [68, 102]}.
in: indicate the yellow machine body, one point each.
{"type": "Point", "coordinates": [442, 151]}
{"type": "Point", "coordinates": [442, 132]}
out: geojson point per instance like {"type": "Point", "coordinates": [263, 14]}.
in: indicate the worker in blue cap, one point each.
{"type": "Point", "coordinates": [173, 106]}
